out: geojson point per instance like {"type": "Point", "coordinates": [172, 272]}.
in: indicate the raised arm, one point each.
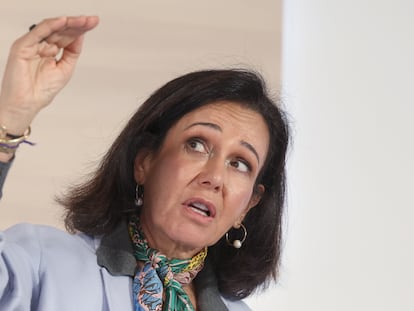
{"type": "Point", "coordinates": [35, 73]}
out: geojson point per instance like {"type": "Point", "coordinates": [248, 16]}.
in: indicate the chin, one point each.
{"type": "Point", "coordinates": [191, 239]}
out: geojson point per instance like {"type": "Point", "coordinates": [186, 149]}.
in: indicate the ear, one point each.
{"type": "Point", "coordinates": [141, 166]}
{"type": "Point", "coordinates": [254, 200]}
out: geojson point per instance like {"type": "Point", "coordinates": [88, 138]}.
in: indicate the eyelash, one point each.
{"type": "Point", "coordinates": [247, 164]}
{"type": "Point", "coordinates": [196, 140]}
{"type": "Point", "coordinates": [201, 141]}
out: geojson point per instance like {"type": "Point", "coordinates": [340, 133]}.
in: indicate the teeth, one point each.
{"type": "Point", "coordinates": [199, 211]}
{"type": "Point", "coordinates": [200, 206]}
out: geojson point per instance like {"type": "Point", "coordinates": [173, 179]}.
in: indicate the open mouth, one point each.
{"type": "Point", "coordinates": [200, 208]}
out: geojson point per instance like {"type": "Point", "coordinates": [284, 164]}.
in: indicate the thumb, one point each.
{"type": "Point", "coordinates": [72, 52]}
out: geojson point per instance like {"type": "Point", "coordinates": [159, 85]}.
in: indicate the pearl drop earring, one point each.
{"type": "Point", "coordinates": [237, 243]}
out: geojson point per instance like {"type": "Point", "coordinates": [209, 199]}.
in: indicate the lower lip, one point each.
{"type": "Point", "coordinates": [196, 216]}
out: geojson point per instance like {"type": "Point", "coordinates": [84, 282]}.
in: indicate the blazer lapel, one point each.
{"type": "Point", "coordinates": [118, 293]}
{"type": "Point", "coordinates": [208, 296]}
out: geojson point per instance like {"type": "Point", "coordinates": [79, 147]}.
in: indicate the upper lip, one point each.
{"type": "Point", "coordinates": [210, 206]}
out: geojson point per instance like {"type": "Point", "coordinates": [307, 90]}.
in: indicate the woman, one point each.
{"type": "Point", "coordinates": [184, 212]}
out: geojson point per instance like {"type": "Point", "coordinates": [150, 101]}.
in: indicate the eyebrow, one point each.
{"type": "Point", "coordinates": [218, 128]}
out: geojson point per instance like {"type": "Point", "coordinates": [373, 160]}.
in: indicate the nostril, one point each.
{"type": "Point", "coordinates": [211, 179]}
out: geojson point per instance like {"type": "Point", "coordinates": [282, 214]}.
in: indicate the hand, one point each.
{"type": "Point", "coordinates": [34, 74]}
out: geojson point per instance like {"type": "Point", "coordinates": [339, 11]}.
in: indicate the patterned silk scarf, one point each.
{"type": "Point", "coordinates": [157, 277]}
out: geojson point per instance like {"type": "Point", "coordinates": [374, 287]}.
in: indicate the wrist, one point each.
{"type": "Point", "coordinates": [16, 122]}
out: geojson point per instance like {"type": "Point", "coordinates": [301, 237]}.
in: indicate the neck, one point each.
{"type": "Point", "coordinates": [171, 249]}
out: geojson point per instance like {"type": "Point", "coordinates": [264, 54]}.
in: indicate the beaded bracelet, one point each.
{"type": "Point", "coordinates": [9, 143]}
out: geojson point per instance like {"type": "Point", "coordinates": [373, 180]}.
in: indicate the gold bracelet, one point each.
{"type": "Point", "coordinates": [10, 144]}
{"type": "Point", "coordinates": [4, 139]}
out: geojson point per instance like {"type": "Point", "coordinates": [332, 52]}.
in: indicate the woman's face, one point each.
{"type": "Point", "coordinates": [201, 181]}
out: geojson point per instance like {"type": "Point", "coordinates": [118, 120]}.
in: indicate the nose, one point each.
{"type": "Point", "coordinates": [212, 174]}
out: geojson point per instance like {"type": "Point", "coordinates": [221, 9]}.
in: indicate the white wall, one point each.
{"type": "Point", "coordinates": [348, 78]}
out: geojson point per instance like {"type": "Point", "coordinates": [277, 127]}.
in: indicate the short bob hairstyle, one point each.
{"type": "Point", "coordinates": [107, 197]}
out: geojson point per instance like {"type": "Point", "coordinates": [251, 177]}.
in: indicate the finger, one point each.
{"type": "Point", "coordinates": [42, 30]}
{"type": "Point", "coordinates": [75, 47]}
{"type": "Point", "coordinates": [75, 27]}
{"type": "Point", "coordinates": [85, 22]}
{"type": "Point", "coordinates": [72, 37]}
{"type": "Point", "coordinates": [48, 50]}
{"type": "Point", "coordinates": [71, 53]}
{"type": "Point", "coordinates": [52, 30]}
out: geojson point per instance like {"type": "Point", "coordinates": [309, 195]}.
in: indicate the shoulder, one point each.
{"type": "Point", "coordinates": [236, 305]}
{"type": "Point", "coordinates": [40, 250]}
{"type": "Point", "coordinates": [44, 265]}
{"type": "Point", "coordinates": [45, 239]}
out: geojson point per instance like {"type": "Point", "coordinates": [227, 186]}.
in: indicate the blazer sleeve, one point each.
{"type": "Point", "coordinates": [237, 305]}
{"type": "Point", "coordinates": [4, 168]}
{"type": "Point", "coordinates": [20, 257]}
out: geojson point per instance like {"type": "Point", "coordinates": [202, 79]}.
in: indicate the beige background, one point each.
{"type": "Point", "coordinates": [138, 46]}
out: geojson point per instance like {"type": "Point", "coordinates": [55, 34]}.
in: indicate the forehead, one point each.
{"type": "Point", "coordinates": [224, 111]}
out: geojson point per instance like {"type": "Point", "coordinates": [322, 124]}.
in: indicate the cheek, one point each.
{"type": "Point", "coordinates": [168, 173]}
{"type": "Point", "coordinates": [239, 201]}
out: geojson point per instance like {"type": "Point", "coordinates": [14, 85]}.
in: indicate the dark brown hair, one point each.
{"type": "Point", "coordinates": [99, 204]}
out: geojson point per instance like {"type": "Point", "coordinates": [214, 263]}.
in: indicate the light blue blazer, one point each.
{"type": "Point", "coordinates": [46, 269]}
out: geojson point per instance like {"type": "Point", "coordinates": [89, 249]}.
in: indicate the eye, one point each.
{"type": "Point", "coordinates": [197, 144]}
{"type": "Point", "coordinates": [241, 165]}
